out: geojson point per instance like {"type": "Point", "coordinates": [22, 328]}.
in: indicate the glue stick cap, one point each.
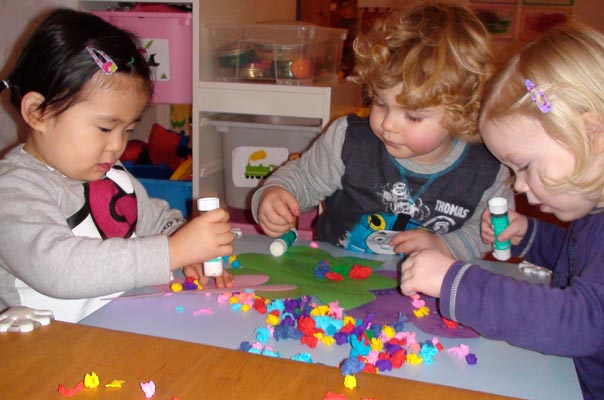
{"type": "Point", "coordinates": [208, 203]}
{"type": "Point", "coordinates": [278, 247]}
{"type": "Point", "coordinates": [498, 205]}
{"type": "Point", "coordinates": [502, 255]}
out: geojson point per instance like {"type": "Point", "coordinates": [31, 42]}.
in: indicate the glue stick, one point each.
{"type": "Point", "coordinates": [280, 245]}
{"type": "Point", "coordinates": [211, 267]}
{"type": "Point", "coordinates": [498, 206]}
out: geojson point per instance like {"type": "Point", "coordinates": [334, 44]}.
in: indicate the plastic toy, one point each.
{"type": "Point", "coordinates": [24, 319]}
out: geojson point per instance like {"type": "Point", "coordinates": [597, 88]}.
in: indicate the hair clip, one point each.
{"type": "Point", "coordinates": [5, 82]}
{"type": "Point", "coordinates": [539, 98]}
{"type": "Point", "coordinates": [131, 61]}
{"type": "Point", "coordinates": [106, 64]}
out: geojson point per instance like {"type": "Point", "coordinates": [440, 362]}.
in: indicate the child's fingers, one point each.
{"type": "Point", "coordinates": [193, 271]}
{"type": "Point", "coordinates": [292, 204]}
{"type": "Point", "coordinates": [514, 229]}
{"type": "Point", "coordinates": [282, 215]}
{"type": "Point", "coordinates": [217, 215]}
{"type": "Point", "coordinates": [203, 280]}
{"type": "Point", "coordinates": [286, 209]}
{"type": "Point", "coordinates": [272, 230]}
{"type": "Point", "coordinates": [225, 280]}
{"type": "Point", "coordinates": [407, 282]}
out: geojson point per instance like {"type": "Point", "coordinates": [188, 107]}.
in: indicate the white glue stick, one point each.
{"type": "Point", "coordinates": [498, 206]}
{"type": "Point", "coordinates": [211, 267]}
{"type": "Point", "coordinates": [279, 246]}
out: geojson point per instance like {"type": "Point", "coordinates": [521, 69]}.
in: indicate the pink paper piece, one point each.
{"type": "Point", "coordinates": [335, 308]}
{"type": "Point", "coordinates": [202, 311]}
{"type": "Point", "coordinates": [461, 351]}
{"type": "Point", "coordinates": [418, 303]}
{"type": "Point", "coordinates": [257, 346]}
{"type": "Point", "coordinates": [148, 389]}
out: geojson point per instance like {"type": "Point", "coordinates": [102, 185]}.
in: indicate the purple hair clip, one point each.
{"type": "Point", "coordinates": [105, 63]}
{"type": "Point", "coordinates": [539, 98]}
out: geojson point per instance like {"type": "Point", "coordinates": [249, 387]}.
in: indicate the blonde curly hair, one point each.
{"type": "Point", "coordinates": [440, 52]}
{"type": "Point", "coordinates": [567, 67]}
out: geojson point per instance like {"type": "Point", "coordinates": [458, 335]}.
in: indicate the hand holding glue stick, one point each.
{"type": "Point", "coordinates": [214, 266]}
{"type": "Point", "coordinates": [279, 246]}
{"type": "Point", "coordinates": [498, 207]}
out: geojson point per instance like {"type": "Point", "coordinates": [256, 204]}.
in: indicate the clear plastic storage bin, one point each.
{"type": "Point", "coordinates": [282, 54]}
{"type": "Point", "coordinates": [253, 146]}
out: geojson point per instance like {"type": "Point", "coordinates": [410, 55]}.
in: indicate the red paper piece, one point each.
{"type": "Point", "coordinates": [70, 392]}
{"type": "Point", "coordinates": [334, 276]}
{"type": "Point", "coordinates": [370, 368]}
{"type": "Point", "coordinates": [359, 272]}
{"type": "Point", "coordinates": [260, 305]}
{"type": "Point", "coordinates": [449, 323]}
{"type": "Point", "coordinates": [309, 340]}
{"type": "Point", "coordinates": [307, 325]}
{"type": "Point", "coordinates": [398, 358]}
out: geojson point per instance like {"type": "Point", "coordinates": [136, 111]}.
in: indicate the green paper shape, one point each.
{"type": "Point", "coordinates": [296, 267]}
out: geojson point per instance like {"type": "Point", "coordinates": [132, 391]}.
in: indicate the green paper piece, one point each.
{"type": "Point", "coordinates": [296, 267]}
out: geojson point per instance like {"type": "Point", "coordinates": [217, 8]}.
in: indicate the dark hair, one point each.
{"type": "Point", "coordinates": [55, 62]}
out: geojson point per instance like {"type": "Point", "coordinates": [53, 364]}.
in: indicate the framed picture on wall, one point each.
{"type": "Point", "coordinates": [549, 2]}
{"type": "Point", "coordinates": [537, 20]}
{"type": "Point", "coordinates": [495, 1]}
{"type": "Point", "coordinates": [500, 20]}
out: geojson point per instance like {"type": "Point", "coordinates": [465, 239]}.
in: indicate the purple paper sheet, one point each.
{"type": "Point", "coordinates": [390, 302]}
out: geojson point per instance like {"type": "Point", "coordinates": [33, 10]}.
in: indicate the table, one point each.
{"type": "Point", "coordinates": [502, 369]}
{"type": "Point", "coordinates": [35, 363]}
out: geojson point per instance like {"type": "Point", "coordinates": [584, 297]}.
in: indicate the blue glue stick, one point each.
{"type": "Point", "coordinates": [498, 206]}
{"type": "Point", "coordinates": [211, 267]}
{"type": "Point", "coordinates": [280, 245]}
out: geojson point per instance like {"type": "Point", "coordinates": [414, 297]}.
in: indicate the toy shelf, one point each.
{"type": "Point", "coordinates": [210, 97]}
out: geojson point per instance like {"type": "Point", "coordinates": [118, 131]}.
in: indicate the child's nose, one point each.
{"type": "Point", "coordinates": [389, 122]}
{"type": "Point", "coordinates": [116, 141]}
{"type": "Point", "coordinates": [520, 184]}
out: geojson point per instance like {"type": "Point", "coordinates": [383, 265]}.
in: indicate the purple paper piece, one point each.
{"type": "Point", "coordinates": [389, 302]}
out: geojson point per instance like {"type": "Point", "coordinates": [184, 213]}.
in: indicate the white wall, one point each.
{"type": "Point", "coordinates": [16, 17]}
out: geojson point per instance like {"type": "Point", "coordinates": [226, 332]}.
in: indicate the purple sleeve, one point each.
{"type": "Point", "coordinates": [566, 322]}
{"type": "Point", "coordinates": [541, 244]}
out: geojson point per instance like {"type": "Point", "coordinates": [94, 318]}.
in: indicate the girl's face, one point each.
{"type": "Point", "coordinates": [85, 140]}
{"type": "Point", "coordinates": [414, 135]}
{"type": "Point", "coordinates": [523, 145]}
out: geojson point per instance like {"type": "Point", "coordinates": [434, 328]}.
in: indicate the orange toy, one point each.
{"type": "Point", "coordinates": [301, 68]}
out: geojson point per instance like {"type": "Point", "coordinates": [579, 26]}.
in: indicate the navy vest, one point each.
{"type": "Point", "coordinates": [379, 194]}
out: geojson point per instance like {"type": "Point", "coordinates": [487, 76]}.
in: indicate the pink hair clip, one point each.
{"type": "Point", "coordinates": [539, 98]}
{"type": "Point", "coordinates": [105, 63]}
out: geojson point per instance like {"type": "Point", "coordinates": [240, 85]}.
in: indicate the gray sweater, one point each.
{"type": "Point", "coordinates": [40, 252]}
{"type": "Point", "coordinates": [319, 174]}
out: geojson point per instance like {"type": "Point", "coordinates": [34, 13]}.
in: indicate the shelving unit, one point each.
{"type": "Point", "coordinates": [211, 97]}
{"type": "Point", "coordinates": [274, 100]}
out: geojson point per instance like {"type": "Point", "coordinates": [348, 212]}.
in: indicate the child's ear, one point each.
{"type": "Point", "coordinates": [31, 112]}
{"type": "Point", "coordinates": [594, 127]}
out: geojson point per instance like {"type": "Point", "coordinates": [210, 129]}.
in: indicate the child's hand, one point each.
{"type": "Point", "coordinates": [196, 271]}
{"type": "Point", "coordinates": [424, 272]}
{"type": "Point", "coordinates": [203, 238]}
{"type": "Point", "coordinates": [413, 240]}
{"type": "Point", "coordinates": [515, 231]}
{"type": "Point", "coordinates": [277, 211]}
